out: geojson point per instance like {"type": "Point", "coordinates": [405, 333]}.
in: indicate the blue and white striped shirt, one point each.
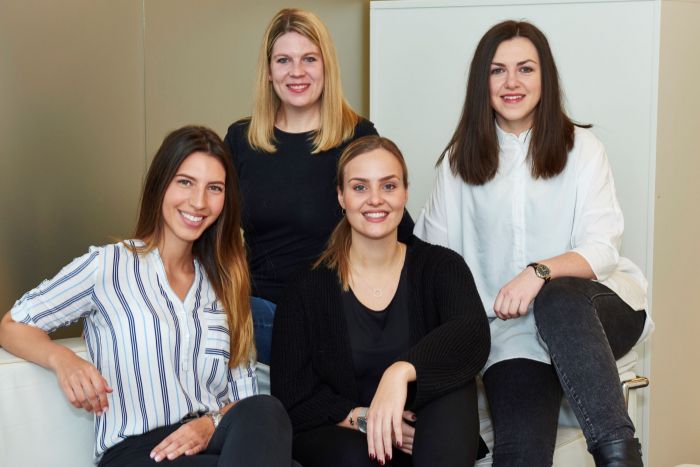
{"type": "Point", "coordinates": [164, 357]}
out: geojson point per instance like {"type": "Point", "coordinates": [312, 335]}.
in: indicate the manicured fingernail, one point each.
{"type": "Point", "coordinates": [398, 443]}
{"type": "Point", "coordinates": [413, 417]}
{"type": "Point", "coordinates": [371, 456]}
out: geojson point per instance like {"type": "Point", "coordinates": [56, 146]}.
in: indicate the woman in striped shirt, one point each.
{"type": "Point", "coordinates": [167, 325]}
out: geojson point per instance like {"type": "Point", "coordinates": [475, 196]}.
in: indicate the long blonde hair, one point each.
{"type": "Point", "coordinates": [220, 248]}
{"type": "Point", "coordinates": [336, 256]}
{"type": "Point", "coordinates": [338, 120]}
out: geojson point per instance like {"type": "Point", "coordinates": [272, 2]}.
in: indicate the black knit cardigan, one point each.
{"type": "Point", "coordinates": [312, 370]}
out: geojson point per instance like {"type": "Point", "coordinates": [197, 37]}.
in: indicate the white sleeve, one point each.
{"type": "Point", "coordinates": [63, 299]}
{"type": "Point", "coordinates": [431, 225]}
{"type": "Point", "coordinates": [598, 220]}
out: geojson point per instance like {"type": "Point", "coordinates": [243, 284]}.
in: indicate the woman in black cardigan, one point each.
{"type": "Point", "coordinates": [380, 337]}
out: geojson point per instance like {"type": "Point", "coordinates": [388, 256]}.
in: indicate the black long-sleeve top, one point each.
{"type": "Point", "coordinates": [312, 371]}
{"type": "Point", "coordinates": [289, 203]}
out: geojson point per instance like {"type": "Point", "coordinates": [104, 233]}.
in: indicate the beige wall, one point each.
{"type": "Point", "coordinates": [88, 89]}
{"type": "Point", "coordinates": [71, 132]}
{"type": "Point", "coordinates": [674, 421]}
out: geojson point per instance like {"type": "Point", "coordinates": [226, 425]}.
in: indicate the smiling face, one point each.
{"type": "Point", "coordinates": [296, 73]}
{"type": "Point", "coordinates": [373, 194]}
{"type": "Point", "coordinates": [515, 84]}
{"type": "Point", "coordinates": [193, 200]}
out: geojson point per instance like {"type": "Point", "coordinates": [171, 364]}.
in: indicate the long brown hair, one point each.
{"type": "Point", "coordinates": [473, 149]}
{"type": "Point", "coordinates": [336, 256]}
{"type": "Point", "coordinates": [220, 248]}
{"type": "Point", "coordinates": [338, 120]}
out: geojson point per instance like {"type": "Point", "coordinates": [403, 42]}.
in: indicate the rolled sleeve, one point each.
{"type": "Point", "coordinates": [63, 299]}
{"type": "Point", "coordinates": [243, 382]}
{"type": "Point", "coordinates": [598, 222]}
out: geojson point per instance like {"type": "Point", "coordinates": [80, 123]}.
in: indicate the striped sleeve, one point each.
{"type": "Point", "coordinates": [242, 382]}
{"type": "Point", "coordinates": [63, 299]}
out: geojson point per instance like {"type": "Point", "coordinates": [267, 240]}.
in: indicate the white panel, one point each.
{"type": "Point", "coordinates": [419, 58]}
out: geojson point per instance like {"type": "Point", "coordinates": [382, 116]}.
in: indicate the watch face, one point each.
{"type": "Point", "coordinates": [542, 271]}
{"type": "Point", "coordinates": [362, 424]}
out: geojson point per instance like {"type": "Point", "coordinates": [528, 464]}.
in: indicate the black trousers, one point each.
{"type": "Point", "coordinates": [255, 432]}
{"type": "Point", "coordinates": [447, 434]}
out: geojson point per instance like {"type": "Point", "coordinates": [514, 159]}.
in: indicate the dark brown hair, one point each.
{"type": "Point", "coordinates": [473, 149]}
{"type": "Point", "coordinates": [220, 248]}
{"type": "Point", "coordinates": [337, 253]}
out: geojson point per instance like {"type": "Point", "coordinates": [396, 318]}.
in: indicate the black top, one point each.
{"type": "Point", "coordinates": [289, 203]}
{"type": "Point", "coordinates": [377, 338]}
{"type": "Point", "coordinates": [312, 369]}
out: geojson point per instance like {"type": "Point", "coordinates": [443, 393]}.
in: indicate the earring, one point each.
{"type": "Point", "coordinates": [343, 210]}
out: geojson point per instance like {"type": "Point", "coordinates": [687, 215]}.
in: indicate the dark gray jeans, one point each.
{"type": "Point", "coordinates": [586, 327]}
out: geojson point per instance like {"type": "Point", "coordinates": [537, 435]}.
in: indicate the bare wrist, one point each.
{"type": "Point", "coordinates": [403, 370]}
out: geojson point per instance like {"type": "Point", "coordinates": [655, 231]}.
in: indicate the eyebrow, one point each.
{"type": "Point", "coordinates": [517, 64]}
{"type": "Point", "coordinates": [190, 177]}
{"type": "Point", "coordinates": [303, 54]}
{"type": "Point", "coordinates": [383, 179]}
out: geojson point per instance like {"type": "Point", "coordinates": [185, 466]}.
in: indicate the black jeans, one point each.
{"type": "Point", "coordinates": [447, 434]}
{"type": "Point", "coordinates": [586, 327]}
{"type": "Point", "coordinates": [255, 432]}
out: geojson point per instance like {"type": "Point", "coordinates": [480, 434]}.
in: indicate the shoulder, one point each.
{"type": "Point", "coordinates": [586, 142]}
{"type": "Point", "coordinates": [424, 255]}
{"type": "Point", "coordinates": [313, 278]}
{"type": "Point", "coordinates": [364, 128]}
{"type": "Point", "coordinates": [588, 152]}
{"type": "Point", "coordinates": [310, 283]}
{"type": "Point", "coordinates": [239, 126]}
{"type": "Point", "coordinates": [238, 130]}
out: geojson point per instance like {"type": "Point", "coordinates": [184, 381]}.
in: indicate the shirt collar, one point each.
{"type": "Point", "coordinates": [503, 136]}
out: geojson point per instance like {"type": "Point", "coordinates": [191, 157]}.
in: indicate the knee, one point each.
{"type": "Point", "coordinates": [263, 409]}
{"type": "Point", "coordinates": [559, 299]}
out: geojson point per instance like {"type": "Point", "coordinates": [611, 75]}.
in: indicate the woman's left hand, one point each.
{"type": "Point", "coordinates": [515, 297]}
{"type": "Point", "coordinates": [385, 414]}
{"type": "Point", "coordinates": [190, 439]}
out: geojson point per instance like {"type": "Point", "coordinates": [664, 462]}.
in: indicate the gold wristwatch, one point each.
{"type": "Point", "coordinates": [541, 271]}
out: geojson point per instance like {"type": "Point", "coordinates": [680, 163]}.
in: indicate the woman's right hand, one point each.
{"type": "Point", "coordinates": [80, 381]}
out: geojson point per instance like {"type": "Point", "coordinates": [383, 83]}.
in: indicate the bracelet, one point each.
{"type": "Point", "coordinates": [350, 420]}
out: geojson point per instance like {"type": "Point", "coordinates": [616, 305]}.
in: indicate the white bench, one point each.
{"type": "Point", "coordinates": [38, 427]}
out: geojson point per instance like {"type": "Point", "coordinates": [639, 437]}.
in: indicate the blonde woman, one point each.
{"type": "Point", "coordinates": [167, 325]}
{"type": "Point", "coordinates": [376, 349]}
{"type": "Point", "coordinates": [286, 155]}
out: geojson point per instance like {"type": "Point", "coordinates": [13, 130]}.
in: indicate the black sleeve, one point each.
{"type": "Point", "coordinates": [364, 128]}
{"type": "Point", "coordinates": [454, 352]}
{"type": "Point", "coordinates": [309, 401]}
{"type": "Point", "coordinates": [236, 137]}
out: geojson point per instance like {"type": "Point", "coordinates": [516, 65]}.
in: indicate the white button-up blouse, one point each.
{"type": "Point", "coordinates": [502, 226]}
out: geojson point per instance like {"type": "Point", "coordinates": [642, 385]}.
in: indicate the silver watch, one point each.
{"type": "Point", "coordinates": [362, 420]}
{"type": "Point", "coordinates": [215, 417]}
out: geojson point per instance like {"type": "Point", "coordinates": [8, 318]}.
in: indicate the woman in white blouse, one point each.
{"type": "Point", "coordinates": [167, 325]}
{"type": "Point", "coordinates": [527, 197]}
